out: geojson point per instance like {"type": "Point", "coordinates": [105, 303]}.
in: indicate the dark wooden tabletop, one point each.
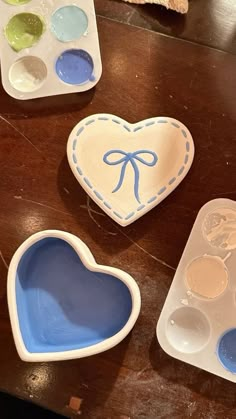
{"type": "Point", "coordinates": [145, 74]}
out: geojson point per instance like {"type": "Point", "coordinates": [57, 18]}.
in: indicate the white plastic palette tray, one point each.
{"type": "Point", "coordinates": [44, 68]}
{"type": "Point", "coordinates": [198, 321]}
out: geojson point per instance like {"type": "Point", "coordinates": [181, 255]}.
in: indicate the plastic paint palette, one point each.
{"type": "Point", "coordinates": [198, 321]}
{"type": "Point", "coordinates": [48, 48]}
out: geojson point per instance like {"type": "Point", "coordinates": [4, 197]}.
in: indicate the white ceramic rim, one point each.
{"type": "Point", "coordinates": [89, 262]}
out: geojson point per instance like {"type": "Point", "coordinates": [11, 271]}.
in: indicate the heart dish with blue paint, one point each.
{"type": "Point", "coordinates": [128, 169]}
{"type": "Point", "coordinates": [62, 304]}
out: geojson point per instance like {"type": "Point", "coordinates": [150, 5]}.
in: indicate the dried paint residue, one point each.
{"type": "Point", "coordinates": [219, 228]}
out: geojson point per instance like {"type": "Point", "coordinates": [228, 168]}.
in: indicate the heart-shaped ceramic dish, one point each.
{"type": "Point", "coordinates": [62, 304]}
{"type": "Point", "coordinates": [128, 169]}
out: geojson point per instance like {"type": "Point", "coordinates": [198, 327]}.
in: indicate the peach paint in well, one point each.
{"type": "Point", "coordinates": [207, 276]}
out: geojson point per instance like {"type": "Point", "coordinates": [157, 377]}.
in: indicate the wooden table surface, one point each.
{"type": "Point", "coordinates": [145, 74]}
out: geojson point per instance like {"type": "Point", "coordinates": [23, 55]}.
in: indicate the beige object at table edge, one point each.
{"type": "Point", "coordinates": [180, 6]}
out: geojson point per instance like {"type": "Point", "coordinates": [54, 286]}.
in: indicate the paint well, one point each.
{"type": "Point", "coordinates": [207, 276]}
{"type": "Point", "coordinates": [28, 74]}
{"type": "Point", "coordinates": [62, 305]}
{"type": "Point", "coordinates": [24, 30]}
{"type": "Point", "coordinates": [226, 350]}
{"type": "Point", "coordinates": [75, 66]}
{"type": "Point", "coordinates": [17, 2]}
{"type": "Point", "coordinates": [188, 330]}
{"type": "Point", "coordinates": [69, 23]}
{"type": "Point", "coordinates": [219, 228]}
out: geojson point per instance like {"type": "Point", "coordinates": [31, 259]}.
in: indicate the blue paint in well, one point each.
{"type": "Point", "coordinates": [62, 305]}
{"type": "Point", "coordinates": [69, 23]}
{"type": "Point", "coordinates": [226, 350]}
{"type": "Point", "coordinates": [75, 66]}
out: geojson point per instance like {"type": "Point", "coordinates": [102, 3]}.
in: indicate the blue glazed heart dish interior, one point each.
{"type": "Point", "coordinates": [64, 306]}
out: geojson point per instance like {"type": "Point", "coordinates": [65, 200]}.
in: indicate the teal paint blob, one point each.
{"type": "Point", "coordinates": [69, 23]}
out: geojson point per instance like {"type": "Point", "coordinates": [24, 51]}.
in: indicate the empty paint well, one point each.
{"type": "Point", "coordinates": [226, 350]}
{"type": "Point", "coordinates": [69, 23]}
{"type": "Point", "coordinates": [28, 74]}
{"type": "Point", "coordinates": [75, 66]}
{"type": "Point", "coordinates": [207, 276]}
{"type": "Point", "coordinates": [62, 305]}
{"type": "Point", "coordinates": [188, 330]}
{"type": "Point", "coordinates": [24, 30]}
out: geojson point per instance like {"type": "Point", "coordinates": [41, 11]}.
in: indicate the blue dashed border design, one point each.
{"type": "Point", "coordinates": [136, 129]}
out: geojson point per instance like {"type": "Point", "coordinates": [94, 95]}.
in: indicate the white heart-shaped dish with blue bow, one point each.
{"type": "Point", "coordinates": [62, 304]}
{"type": "Point", "coordinates": [128, 169]}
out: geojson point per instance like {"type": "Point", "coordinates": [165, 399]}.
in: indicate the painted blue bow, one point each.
{"type": "Point", "coordinates": [130, 158]}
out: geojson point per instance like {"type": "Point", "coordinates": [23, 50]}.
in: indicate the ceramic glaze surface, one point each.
{"type": "Point", "coordinates": [62, 305]}
{"type": "Point", "coordinates": [128, 169]}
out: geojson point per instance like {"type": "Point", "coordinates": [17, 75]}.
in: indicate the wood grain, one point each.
{"type": "Point", "coordinates": [210, 23]}
{"type": "Point", "coordinates": [145, 75]}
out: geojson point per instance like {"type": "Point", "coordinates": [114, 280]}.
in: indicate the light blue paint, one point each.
{"type": "Point", "coordinates": [184, 133]}
{"type": "Point", "coordinates": [130, 215]}
{"type": "Point", "coordinates": [75, 67]}
{"type": "Point", "coordinates": [162, 190]}
{"type": "Point", "coordinates": [162, 121]}
{"type": "Point", "coordinates": [90, 122]}
{"type": "Point", "coordinates": [74, 158]}
{"type": "Point", "coordinates": [107, 205]}
{"type": "Point", "coordinates": [79, 170]}
{"type": "Point", "coordinates": [116, 121]}
{"type": "Point", "coordinates": [172, 180]}
{"type": "Point", "coordinates": [186, 159]}
{"type": "Point", "coordinates": [181, 171]}
{"type": "Point", "coordinates": [141, 207]}
{"type": "Point", "coordinates": [127, 128]}
{"type": "Point", "coordinates": [74, 144]}
{"type": "Point", "coordinates": [88, 182]}
{"type": "Point", "coordinates": [118, 215]}
{"type": "Point", "coordinates": [175, 125]}
{"type": "Point", "coordinates": [137, 129]}
{"type": "Point", "coordinates": [103, 118]}
{"type": "Point", "coordinates": [79, 131]}
{"type": "Point", "coordinates": [226, 350]}
{"type": "Point", "coordinates": [69, 23]}
{"type": "Point", "coordinates": [98, 195]}
{"type": "Point", "coordinates": [126, 159]}
{"type": "Point", "coordinates": [63, 306]}
{"type": "Point", "coordinates": [148, 124]}
{"type": "Point", "coordinates": [152, 199]}
{"type": "Point", "coordinates": [187, 146]}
